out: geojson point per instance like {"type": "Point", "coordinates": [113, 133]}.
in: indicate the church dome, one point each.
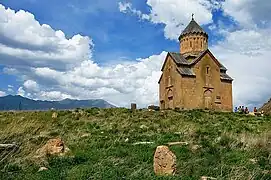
{"type": "Point", "coordinates": [193, 39]}
{"type": "Point", "coordinates": [193, 28]}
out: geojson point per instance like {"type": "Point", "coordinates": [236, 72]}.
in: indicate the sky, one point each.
{"type": "Point", "coordinates": [114, 50]}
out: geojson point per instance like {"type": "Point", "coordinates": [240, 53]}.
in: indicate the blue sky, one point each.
{"type": "Point", "coordinates": [125, 42]}
{"type": "Point", "coordinates": [116, 35]}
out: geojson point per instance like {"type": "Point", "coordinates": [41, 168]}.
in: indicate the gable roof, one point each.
{"type": "Point", "coordinates": [192, 27]}
{"type": "Point", "coordinates": [196, 60]}
{"type": "Point", "coordinates": [186, 71]}
{"type": "Point", "coordinates": [177, 58]}
{"type": "Point", "coordinates": [224, 76]}
{"type": "Point", "coordinates": [180, 59]}
{"type": "Point", "coordinates": [184, 66]}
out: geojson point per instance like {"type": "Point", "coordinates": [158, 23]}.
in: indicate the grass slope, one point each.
{"type": "Point", "coordinates": [233, 146]}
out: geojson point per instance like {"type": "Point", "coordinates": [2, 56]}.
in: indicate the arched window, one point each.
{"type": "Point", "coordinates": [190, 44]}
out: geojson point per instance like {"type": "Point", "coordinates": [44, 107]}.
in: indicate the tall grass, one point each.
{"type": "Point", "coordinates": [230, 146]}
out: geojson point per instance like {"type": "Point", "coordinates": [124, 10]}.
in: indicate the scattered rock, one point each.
{"type": "Point", "coordinates": [142, 143]}
{"type": "Point", "coordinates": [195, 147]}
{"type": "Point", "coordinates": [254, 161]}
{"type": "Point", "coordinates": [206, 178]}
{"type": "Point", "coordinates": [144, 127]}
{"type": "Point", "coordinates": [164, 161]}
{"type": "Point", "coordinates": [54, 115]}
{"type": "Point", "coordinates": [85, 135]}
{"type": "Point", "coordinates": [266, 171]}
{"type": "Point", "coordinates": [53, 147]}
{"type": "Point", "coordinates": [177, 143]}
{"type": "Point", "coordinates": [42, 169]}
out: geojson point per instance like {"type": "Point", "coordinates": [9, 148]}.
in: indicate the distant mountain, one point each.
{"type": "Point", "coordinates": [266, 107]}
{"type": "Point", "coordinates": [21, 103]}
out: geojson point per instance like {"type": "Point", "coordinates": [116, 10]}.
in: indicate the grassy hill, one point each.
{"type": "Point", "coordinates": [232, 146]}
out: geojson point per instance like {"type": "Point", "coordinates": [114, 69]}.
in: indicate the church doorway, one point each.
{"type": "Point", "coordinates": [208, 99]}
{"type": "Point", "coordinates": [170, 99]}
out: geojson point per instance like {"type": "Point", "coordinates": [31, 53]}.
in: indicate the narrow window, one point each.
{"type": "Point", "coordinates": [190, 44]}
{"type": "Point", "coordinates": [207, 70]}
{"type": "Point", "coordinates": [169, 80]}
{"type": "Point", "coordinates": [201, 44]}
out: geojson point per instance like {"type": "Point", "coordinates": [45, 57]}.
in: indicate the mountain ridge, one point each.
{"type": "Point", "coordinates": [17, 102]}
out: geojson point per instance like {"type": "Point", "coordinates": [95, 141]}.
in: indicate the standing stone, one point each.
{"type": "Point", "coordinates": [164, 161]}
{"type": "Point", "coordinates": [133, 106]}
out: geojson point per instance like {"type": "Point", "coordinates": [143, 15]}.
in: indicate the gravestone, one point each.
{"type": "Point", "coordinates": [164, 162]}
{"type": "Point", "coordinates": [133, 106]}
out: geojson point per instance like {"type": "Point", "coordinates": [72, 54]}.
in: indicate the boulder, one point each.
{"type": "Point", "coordinates": [54, 115]}
{"type": "Point", "coordinates": [164, 161]}
{"type": "Point", "coordinates": [53, 147]}
{"type": "Point", "coordinates": [42, 169]}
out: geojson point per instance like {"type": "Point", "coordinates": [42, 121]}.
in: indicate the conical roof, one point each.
{"type": "Point", "coordinates": [193, 27]}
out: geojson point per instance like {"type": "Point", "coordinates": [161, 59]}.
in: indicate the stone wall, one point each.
{"type": "Point", "coordinates": [206, 90]}
{"type": "Point", "coordinates": [167, 83]}
{"type": "Point", "coordinates": [226, 96]}
{"type": "Point", "coordinates": [194, 44]}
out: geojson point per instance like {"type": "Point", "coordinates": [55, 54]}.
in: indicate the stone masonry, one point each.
{"type": "Point", "coordinates": [194, 78]}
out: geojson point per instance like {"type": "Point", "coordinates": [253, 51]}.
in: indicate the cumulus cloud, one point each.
{"type": "Point", "coordinates": [249, 12]}
{"type": "Point", "coordinates": [31, 85]}
{"type": "Point", "coordinates": [120, 84]}
{"type": "Point", "coordinates": [127, 8]}
{"type": "Point", "coordinates": [2, 93]}
{"type": "Point", "coordinates": [26, 42]}
{"type": "Point", "coordinates": [245, 52]}
{"type": "Point", "coordinates": [174, 14]}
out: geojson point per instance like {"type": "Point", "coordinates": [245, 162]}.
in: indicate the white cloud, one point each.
{"type": "Point", "coordinates": [119, 84]}
{"type": "Point", "coordinates": [175, 14]}
{"type": "Point", "coordinates": [31, 85]}
{"type": "Point", "coordinates": [244, 52]}
{"type": "Point", "coordinates": [21, 91]}
{"type": "Point", "coordinates": [24, 41]}
{"type": "Point", "coordinates": [249, 13]}
{"type": "Point", "coordinates": [42, 49]}
{"type": "Point", "coordinates": [2, 93]}
{"type": "Point", "coordinates": [127, 8]}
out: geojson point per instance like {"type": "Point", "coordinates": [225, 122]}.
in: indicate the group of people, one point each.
{"type": "Point", "coordinates": [243, 110]}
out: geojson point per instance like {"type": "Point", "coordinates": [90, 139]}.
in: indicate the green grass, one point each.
{"type": "Point", "coordinates": [97, 140]}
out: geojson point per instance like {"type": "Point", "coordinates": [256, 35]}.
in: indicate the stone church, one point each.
{"type": "Point", "coordinates": [194, 78]}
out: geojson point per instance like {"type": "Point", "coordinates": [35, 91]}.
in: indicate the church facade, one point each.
{"type": "Point", "coordinates": [194, 78]}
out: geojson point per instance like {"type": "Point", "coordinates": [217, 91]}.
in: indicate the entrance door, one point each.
{"type": "Point", "coordinates": [208, 99]}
